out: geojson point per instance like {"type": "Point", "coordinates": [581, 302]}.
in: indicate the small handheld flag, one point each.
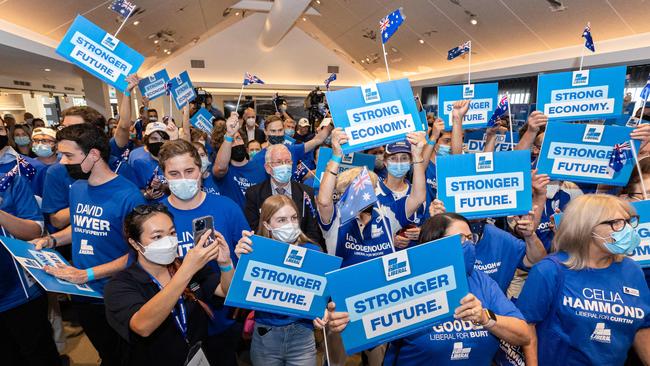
{"type": "Point", "coordinates": [589, 42]}
{"type": "Point", "coordinates": [460, 50]}
{"type": "Point", "coordinates": [645, 93]}
{"type": "Point", "coordinates": [122, 160]}
{"type": "Point", "coordinates": [389, 25]}
{"type": "Point", "coordinates": [329, 80]}
{"type": "Point", "coordinates": [252, 79]}
{"type": "Point", "coordinates": [500, 111]}
{"type": "Point", "coordinates": [122, 7]}
{"type": "Point", "coordinates": [359, 195]}
{"type": "Point", "coordinates": [619, 156]}
{"type": "Point", "coordinates": [22, 168]}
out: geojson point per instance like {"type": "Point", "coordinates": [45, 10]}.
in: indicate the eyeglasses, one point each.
{"type": "Point", "coordinates": [473, 237]}
{"type": "Point", "coordinates": [39, 141]}
{"type": "Point", "coordinates": [619, 224]}
{"type": "Point", "coordinates": [281, 162]}
{"type": "Point", "coordinates": [147, 209]}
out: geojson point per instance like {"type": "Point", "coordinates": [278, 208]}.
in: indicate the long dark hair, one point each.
{"type": "Point", "coordinates": [436, 226]}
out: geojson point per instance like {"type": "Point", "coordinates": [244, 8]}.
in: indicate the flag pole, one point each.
{"type": "Point", "coordinates": [239, 99]}
{"type": "Point", "coordinates": [124, 22]}
{"type": "Point", "coordinates": [469, 65]}
{"type": "Point", "coordinates": [582, 58]}
{"type": "Point", "coordinates": [327, 352]}
{"type": "Point", "coordinates": [383, 47]}
{"type": "Point", "coordinates": [638, 169]}
{"type": "Point", "coordinates": [512, 136]}
{"type": "Point", "coordinates": [642, 111]}
{"type": "Point", "coordinates": [382, 212]}
{"type": "Point", "coordinates": [170, 104]}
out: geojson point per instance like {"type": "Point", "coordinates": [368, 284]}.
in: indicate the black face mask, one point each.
{"type": "Point", "coordinates": [75, 172]}
{"type": "Point", "coordinates": [238, 153]}
{"type": "Point", "coordinates": [276, 139]}
{"type": "Point", "coordinates": [4, 140]}
{"type": "Point", "coordinates": [154, 148]}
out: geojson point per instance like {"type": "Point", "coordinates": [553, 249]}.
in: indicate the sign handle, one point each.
{"type": "Point", "coordinates": [383, 220]}
{"type": "Point", "coordinates": [469, 65]}
{"type": "Point", "coordinates": [385, 60]}
{"type": "Point", "coordinates": [638, 169]}
{"type": "Point", "coordinates": [512, 136]}
{"type": "Point", "coordinates": [239, 99]}
{"type": "Point", "coordinates": [327, 352]}
{"type": "Point", "coordinates": [582, 57]}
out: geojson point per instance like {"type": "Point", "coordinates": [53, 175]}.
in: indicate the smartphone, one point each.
{"type": "Point", "coordinates": [199, 226]}
{"type": "Point", "coordinates": [403, 230]}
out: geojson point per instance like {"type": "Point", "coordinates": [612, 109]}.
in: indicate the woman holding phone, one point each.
{"type": "Point", "coordinates": [280, 339]}
{"type": "Point", "coordinates": [159, 305]}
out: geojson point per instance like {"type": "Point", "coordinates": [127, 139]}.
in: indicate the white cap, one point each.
{"type": "Point", "coordinates": [154, 127]}
{"type": "Point", "coordinates": [44, 131]}
{"type": "Point", "coordinates": [303, 122]}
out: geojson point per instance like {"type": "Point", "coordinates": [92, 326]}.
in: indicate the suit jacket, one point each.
{"type": "Point", "coordinates": [260, 136]}
{"type": "Point", "coordinates": [257, 194]}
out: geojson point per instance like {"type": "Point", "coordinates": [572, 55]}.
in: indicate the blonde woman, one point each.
{"type": "Point", "coordinates": [588, 303]}
{"type": "Point", "coordinates": [280, 339]}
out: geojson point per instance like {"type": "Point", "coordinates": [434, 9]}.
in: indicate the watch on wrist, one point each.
{"type": "Point", "coordinates": [492, 319]}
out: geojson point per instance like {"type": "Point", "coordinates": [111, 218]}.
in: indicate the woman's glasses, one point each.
{"type": "Point", "coordinates": [619, 224]}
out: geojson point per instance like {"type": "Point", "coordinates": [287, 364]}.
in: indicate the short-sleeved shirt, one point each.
{"type": "Point", "coordinates": [544, 231]}
{"type": "Point", "coordinates": [97, 218]}
{"type": "Point", "coordinates": [598, 311]}
{"type": "Point", "coordinates": [456, 342]}
{"type": "Point", "coordinates": [238, 179]}
{"type": "Point", "coordinates": [16, 285]}
{"type": "Point", "coordinates": [499, 254]}
{"type": "Point", "coordinates": [144, 167]}
{"type": "Point", "coordinates": [129, 290]}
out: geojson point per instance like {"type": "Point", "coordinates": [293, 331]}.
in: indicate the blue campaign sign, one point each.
{"type": "Point", "coordinates": [485, 184]}
{"type": "Point", "coordinates": [475, 141]}
{"type": "Point", "coordinates": [400, 294]}
{"type": "Point", "coordinates": [33, 261]}
{"type": "Point", "coordinates": [484, 101]}
{"type": "Point", "coordinates": [102, 55]}
{"type": "Point", "coordinates": [282, 279]}
{"type": "Point", "coordinates": [642, 252]}
{"type": "Point", "coordinates": [581, 95]}
{"type": "Point", "coordinates": [153, 86]}
{"type": "Point", "coordinates": [581, 153]}
{"type": "Point", "coordinates": [182, 90]}
{"type": "Point", "coordinates": [202, 120]}
{"type": "Point", "coordinates": [375, 114]}
{"type": "Point", "coordinates": [348, 161]}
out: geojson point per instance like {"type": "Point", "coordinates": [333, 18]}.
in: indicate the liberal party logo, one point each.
{"type": "Point", "coordinates": [593, 133]}
{"type": "Point", "coordinates": [86, 248]}
{"type": "Point", "coordinates": [295, 256]}
{"type": "Point", "coordinates": [484, 162]}
{"type": "Point", "coordinates": [460, 353]}
{"type": "Point", "coordinates": [396, 265]}
{"type": "Point", "coordinates": [110, 42]}
{"type": "Point", "coordinates": [370, 93]}
{"type": "Point", "coordinates": [601, 334]}
{"type": "Point", "coordinates": [347, 158]}
{"type": "Point", "coordinates": [152, 78]}
{"type": "Point", "coordinates": [580, 78]}
{"type": "Point", "coordinates": [468, 91]}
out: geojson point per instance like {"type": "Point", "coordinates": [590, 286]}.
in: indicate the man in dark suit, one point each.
{"type": "Point", "coordinates": [278, 165]}
{"type": "Point", "coordinates": [249, 129]}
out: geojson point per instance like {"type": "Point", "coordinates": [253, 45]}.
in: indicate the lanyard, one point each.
{"type": "Point", "coordinates": [180, 317]}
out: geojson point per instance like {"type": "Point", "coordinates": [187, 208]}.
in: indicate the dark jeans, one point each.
{"type": "Point", "coordinates": [27, 335]}
{"type": "Point", "coordinates": [106, 341]}
{"type": "Point", "coordinates": [221, 349]}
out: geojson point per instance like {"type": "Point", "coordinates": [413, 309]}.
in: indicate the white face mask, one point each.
{"type": "Point", "coordinates": [250, 122]}
{"type": "Point", "coordinates": [162, 251]}
{"type": "Point", "coordinates": [184, 188]}
{"type": "Point", "coordinates": [287, 233]}
{"type": "Point", "coordinates": [205, 164]}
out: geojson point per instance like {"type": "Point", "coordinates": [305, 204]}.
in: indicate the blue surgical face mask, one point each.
{"type": "Point", "coordinates": [22, 140]}
{"type": "Point", "coordinates": [282, 173]}
{"type": "Point", "coordinates": [184, 188]}
{"type": "Point", "coordinates": [42, 150]}
{"type": "Point", "coordinates": [625, 241]}
{"type": "Point", "coordinates": [443, 150]}
{"type": "Point", "coordinates": [289, 132]}
{"type": "Point", "coordinates": [469, 253]}
{"type": "Point", "coordinates": [253, 153]}
{"type": "Point", "coordinates": [398, 170]}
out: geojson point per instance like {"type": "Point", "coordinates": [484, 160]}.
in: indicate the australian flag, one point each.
{"type": "Point", "coordinates": [329, 80]}
{"type": "Point", "coordinates": [501, 110]}
{"type": "Point", "coordinates": [122, 7]}
{"type": "Point", "coordinates": [589, 42]}
{"type": "Point", "coordinates": [645, 93]}
{"type": "Point", "coordinates": [122, 160]}
{"type": "Point", "coordinates": [168, 88]}
{"type": "Point", "coordinates": [619, 156]}
{"type": "Point", "coordinates": [388, 25]}
{"type": "Point", "coordinates": [22, 168]}
{"type": "Point", "coordinates": [252, 79]}
{"type": "Point", "coordinates": [460, 50]}
{"type": "Point", "coordinates": [359, 195]}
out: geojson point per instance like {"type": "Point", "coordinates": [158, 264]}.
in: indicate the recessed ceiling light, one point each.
{"type": "Point", "coordinates": [304, 19]}
{"type": "Point", "coordinates": [136, 22]}
{"type": "Point", "coordinates": [473, 20]}
{"type": "Point", "coordinates": [47, 70]}
{"type": "Point", "coordinates": [421, 41]}
{"type": "Point", "coordinates": [363, 61]}
{"type": "Point", "coordinates": [318, 2]}
{"type": "Point", "coordinates": [165, 50]}
{"type": "Point", "coordinates": [236, 13]}
{"type": "Point", "coordinates": [156, 41]}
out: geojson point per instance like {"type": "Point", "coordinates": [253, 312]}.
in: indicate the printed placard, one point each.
{"type": "Point", "coordinates": [485, 184]}
{"type": "Point", "coordinates": [182, 90]}
{"type": "Point", "coordinates": [475, 141]}
{"type": "Point", "coordinates": [202, 120]}
{"type": "Point", "coordinates": [153, 86]}
{"type": "Point", "coordinates": [642, 252]}
{"type": "Point", "coordinates": [401, 293]}
{"type": "Point", "coordinates": [99, 53]}
{"type": "Point", "coordinates": [582, 95]}
{"type": "Point", "coordinates": [33, 261]}
{"type": "Point", "coordinates": [484, 101]}
{"type": "Point", "coordinates": [582, 153]}
{"type": "Point", "coordinates": [348, 161]}
{"type": "Point", "coordinates": [375, 114]}
{"type": "Point", "coordinates": [282, 279]}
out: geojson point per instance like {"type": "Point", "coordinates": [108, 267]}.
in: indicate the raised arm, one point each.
{"type": "Point", "coordinates": [328, 182]}
{"type": "Point", "coordinates": [419, 185]}
{"type": "Point", "coordinates": [318, 139]}
{"type": "Point", "coordinates": [222, 161]}
{"type": "Point", "coordinates": [536, 121]}
{"type": "Point", "coordinates": [458, 113]}
{"type": "Point", "coordinates": [185, 135]}
{"type": "Point", "coordinates": [124, 123]}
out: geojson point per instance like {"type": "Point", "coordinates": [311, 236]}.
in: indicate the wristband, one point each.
{"type": "Point", "coordinates": [228, 138]}
{"type": "Point", "coordinates": [90, 274]}
{"type": "Point", "coordinates": [227, 268]}
{"type": "Point", "coordinates": [336, 159]}
{"type": "Point", "coordinates": [54, 241]}
{"type": "Point", "coordinates": [431, 142]}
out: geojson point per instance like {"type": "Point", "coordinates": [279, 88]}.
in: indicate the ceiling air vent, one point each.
{"type": "Point", "coordinates": [22, 83]}
{"type": "Point", "coordinates": [49, 86]}
{"type": "Point", "coordinates": [332, 69]}
{"type": "Point", "coordinates": [197, 64]}
{"type": "Point", "coordinates": [68, 88]}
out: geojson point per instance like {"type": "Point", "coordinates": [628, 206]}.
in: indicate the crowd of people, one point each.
{"type": "Point", "coordinates": [119, 198]}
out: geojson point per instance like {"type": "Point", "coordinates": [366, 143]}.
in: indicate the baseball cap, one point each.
{"type": "Point", "coordinates": [155, 127]}
{"type": "Point", "coordinates": [44, 131]}
{"type": "Point", "coordinates": [398, 147]}
{"type": "Point", "coordinates": [303, 122]}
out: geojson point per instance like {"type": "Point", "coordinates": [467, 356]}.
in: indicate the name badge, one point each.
{"type": "Point", "coordinates": [631, 291]}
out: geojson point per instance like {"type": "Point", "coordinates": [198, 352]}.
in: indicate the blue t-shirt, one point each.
{"type": "Point", "coordinates": [279, 320]}
{"type": "Point", "coordinates": [56, 190]}
{"type": "Point", "coordinates": [598, 311]}
{"type": "Point", "coordinates": [499, 254]}
{"type": "Point", "coordinates": [432, 181]}
{"type": "Point", "coordinates": [144, 168]}
{"type": "Point", "coordinates": [238, 179]}
{"type": "Point", "coordinates": [137, 153]}
{"type": "Point", "coordinates": [355, 244]}
{"type": "Point", "coordinates": [97, 217]}
{"type": "Point", "coordinates": [229, 221]}
{"type": "Point", "coordinates": [210, 186]}
{"type": "Point", "coordinates": [456, 342]}
{"type": "Point", "coordinates": [38, 182]}
{"type": "Point", "coordinates": [16, 286]}
{"type": "Point", "coordinates": [544, 232]}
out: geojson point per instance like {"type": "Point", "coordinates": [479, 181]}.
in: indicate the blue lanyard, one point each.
{"type": "Point", "coordinates": [179, 319]}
